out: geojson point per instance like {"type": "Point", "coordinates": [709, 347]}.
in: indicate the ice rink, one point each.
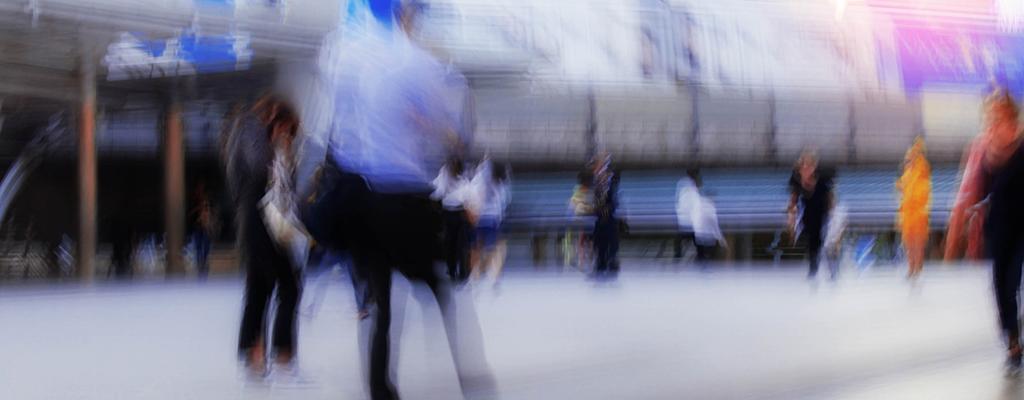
{"type": "Point", "coordinates": [733, 333]}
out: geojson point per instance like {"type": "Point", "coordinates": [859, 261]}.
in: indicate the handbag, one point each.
{"type": "Point", "coordinates": [280, 215]}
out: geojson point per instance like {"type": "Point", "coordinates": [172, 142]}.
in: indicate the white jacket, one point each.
{"type": "Point", "coordinates": [687, 199]}
{"type": "Point", "coordinates": [453, 192]}
{"type": "Point", "coordinates": [705, 222]}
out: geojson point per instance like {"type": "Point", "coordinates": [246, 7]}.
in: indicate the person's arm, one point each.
{"type": "Point", "coordinates": [791, 215]}
{"type": "Point", "coordinates": [967, 197]}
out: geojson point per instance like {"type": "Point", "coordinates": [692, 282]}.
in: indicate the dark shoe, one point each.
{"type": "Point", "coordinates": [385, 393]}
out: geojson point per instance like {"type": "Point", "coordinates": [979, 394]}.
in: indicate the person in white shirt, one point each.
{"type": "Point", "coordinates": [706, 232]}
{"type": "Point", "coordinates": [452, 189]}
{"type": "Point", "coordinates": [687, 197]}
{"type": "Point", "coordinates": [490, 198]}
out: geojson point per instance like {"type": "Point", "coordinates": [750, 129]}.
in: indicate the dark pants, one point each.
{"type": "Point", "coordinates": [400, 234]}
{"type": "Point", "coordinates": [814, 241]}
{"type": "Point", "coordinates": [386, 233]}
{"type": "Point", "coordinates": [456, 244]}
{"type": "Point", "coordinates": [683, 236]}
{"type": "Point", "coordinates": [268, 268]}
{"type": "Point", "coordinates": [121, 257]}
{"type": "Point", "coordinates": [704, 252]}
{"type": "Point", "coordinates": [361, 287]}
{"type": "Point", "coordinates": [606, 246]}
{"type": "Point", "coordinates": [1007, 256]}
{"type": "Point", "coordinates": [202, 243]}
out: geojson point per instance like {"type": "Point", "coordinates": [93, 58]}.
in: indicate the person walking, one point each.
{"type": "Point", "coordinates": [915, 187]}
{"type": "Point", "coordinates": [993, 183]}
{"type": "Point", "coordinates": [204, 229]}
{"type": "Point", "coordinates": [606, 223]}
{"type": "Point", "coordinates": [451, 188]}
{"type": "Point", "coordinates": [707, 233]}
{"type": "Point", "coordinates": [687, 199]}
{"type": "Point", "coordinates": [490, 194]}
{"type": "Point", "coordinates": [398, 108]}
{"type": "Point", "coordinates": [811, 191]}
{"type": "Point", "coordinates": [260, 163]}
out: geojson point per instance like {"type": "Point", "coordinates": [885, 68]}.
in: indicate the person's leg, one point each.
{"type": "Point", "coordinates": [359, 274]}
{"type": "Point", "coordinates": [381, 387]}
{"type": "Point", "coordinates": [501, 252]}
{"type": "Point", "coordinates": [202, 255]}
{"type": "Point", "coordinates": [702, 253]}
{"type": "Point", "coordinates": [1006, 276]}
{"type": "Point", "coordinates": [452, 237]}
{"type": "Point", "coordinates": [603, 246]}
{"type": "Point", "coordinates": [813, 250]}
{"type": "Point", "coordinates": [289, 295]}
{"type": "Point", "coordinates": [677, 246]}
{"type": "Point", "coordinates": [260, 280]}
{"type": "Point", "coordinates": [833, 255]}
{"type": "Point", "coordinates": [488, 236]}
{"type": "Point", "coordinates": [613, 246]}
{"type": "Point", "coordinates": [463, 246]}
{"type": "Point", "coordinates": [251, 338]}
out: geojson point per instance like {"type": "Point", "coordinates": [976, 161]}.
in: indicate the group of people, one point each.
{"type": "Point", "coordinates": [398, 113]}
{"type": "Point", "coordinates": [986, 219]}
{"type": "Point", "coordinates": [815, 212]}
{"type": "Point", "coordinates": [474, 206]}
{"type": "Point", "coordinates": [987, 216]}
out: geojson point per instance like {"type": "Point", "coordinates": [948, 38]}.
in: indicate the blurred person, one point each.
{"type": "Point", "coordinates": [260, 164]}
{"type": "Point", "coordinates": [811, 191]}
{"type": "Point", "coordinates": [965, 233]}
{"type": "Point", "coordinates": [451, 188]}
{"type": "Point", "coordinates": [707, 233]}
{"type": "Point", "coordinates": [204, 222]}
{"type": "Point", "coordinates": [687, 199]}
{"type": "Point", "coordinates": [397, 109]}
{"type": "Point", "coordinates": [580, 204]}
{"type": "Point", "coordinates": [122, 236]}
{"type": "Point", "coordinates": [606, 223]}
{"type": "Point", "coordinates": [915, 186]}
{"type": "Point", "coordinates": [491, 196]}
{"type": "Point", "coordinates": [993, 182]}
{"type": "Point", "coordinates": [833, 244]}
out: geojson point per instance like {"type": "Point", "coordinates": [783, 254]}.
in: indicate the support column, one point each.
{"type": "Point", "coordinates": [174, 189]}
{"type": "Point", "coordinates": [87, 171]}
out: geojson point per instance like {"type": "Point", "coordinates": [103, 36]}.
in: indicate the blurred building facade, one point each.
{"type": "Point", "coordinates": [658, 84]}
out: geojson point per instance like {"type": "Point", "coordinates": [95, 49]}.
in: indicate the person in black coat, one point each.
{"type": "Point", "coordinates": [250, 152]}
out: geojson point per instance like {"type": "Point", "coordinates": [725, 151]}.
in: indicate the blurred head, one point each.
{"type": "Point", "coordinates": [280, 116]}
{"type": "Point", "coordinates": [455, 165]}
{"type": "Point", "coordinates": [1000, 106]}
{"type": "Point", "coordinates": [917, 150]}
{"type": "Point", "coordinates": [1001, 119]}
{"type": "Point", "coordinates": [407, 13]}
{"type": "Point", "coordinates": [807, 164]}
